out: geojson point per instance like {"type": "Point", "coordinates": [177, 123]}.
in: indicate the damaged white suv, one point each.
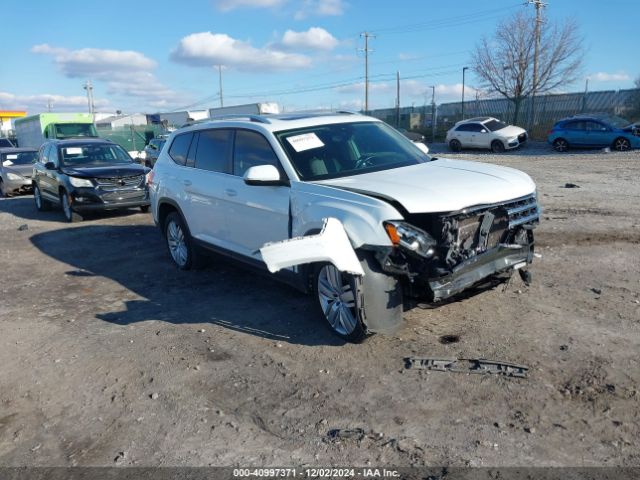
{"type": "Point", "coordinates": [343, 206]}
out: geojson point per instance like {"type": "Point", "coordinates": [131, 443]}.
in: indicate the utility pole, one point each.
{"type": "Point", "coordinates": [49, 104]}
{"type": "Point", "coordinates": [220, 80]}
{"type": "Point", "coordinates": [433, 113]}
{"type": "Point", "coordinates": [464, 69]}
{"type": "Point", "coordinates": [539, 6]}
{"type": "Point", "coordinates": [366, 51]}
{"type": "Point", "coordinates": [88, 86]}
{"type": "Point", "coordinates": [397, 99]}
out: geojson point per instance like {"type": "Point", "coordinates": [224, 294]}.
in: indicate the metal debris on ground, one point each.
{"type": "Point", "coordinates": [23, 227]}
{"type": "Point", "coordinates": [571, 185]}
{"type": "Point", "coordinates": [467, 365]}
{"type": "Point", "coordinates": [344, 434]}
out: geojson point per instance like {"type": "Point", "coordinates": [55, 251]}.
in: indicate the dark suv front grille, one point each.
{"type": "Point", "coordinates": [117, 183]}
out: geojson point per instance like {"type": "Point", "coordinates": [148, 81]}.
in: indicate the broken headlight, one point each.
{"type": "Point", "coordinates": [411, 238]}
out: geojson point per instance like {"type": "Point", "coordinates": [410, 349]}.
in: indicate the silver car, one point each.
{"type": "Point", "coordinates": [16, 168]}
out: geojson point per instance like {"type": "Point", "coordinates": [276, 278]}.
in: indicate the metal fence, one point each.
{"type": "Point", "coordinates": [547, 109]}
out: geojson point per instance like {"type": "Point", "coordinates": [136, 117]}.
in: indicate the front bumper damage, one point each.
{"type": "Point", "coordinates": [469, 247]}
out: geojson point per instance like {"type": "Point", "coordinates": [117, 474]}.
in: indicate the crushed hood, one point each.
{"type": "Point", "coordinates": [441, 185]}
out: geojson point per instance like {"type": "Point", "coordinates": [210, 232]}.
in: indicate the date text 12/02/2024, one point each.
{"type": "Point", "coordinates": [315, 472]}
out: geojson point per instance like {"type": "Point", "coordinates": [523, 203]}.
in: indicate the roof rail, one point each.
{"type": "Point", "coordinates": [253, 118]}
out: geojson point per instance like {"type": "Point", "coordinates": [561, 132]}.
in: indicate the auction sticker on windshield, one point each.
{"type": "Point", "coordinates": [306, 141]}
{"type": "Point", "coordinates": [73, 150]}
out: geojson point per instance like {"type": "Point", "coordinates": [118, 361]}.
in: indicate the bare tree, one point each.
{"type": "Point", "coordinates": [504, 63]}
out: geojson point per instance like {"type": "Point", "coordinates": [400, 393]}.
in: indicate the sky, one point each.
{"type": "Point", "coordinates": [161, 56]}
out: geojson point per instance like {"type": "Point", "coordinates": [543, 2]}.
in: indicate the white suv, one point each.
{"type": "Point", "coordinates": [344, 206]}
{"type": "Point", "coordinates": [485, 132]}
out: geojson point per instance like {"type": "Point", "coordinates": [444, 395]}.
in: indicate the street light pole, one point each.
{"type": "Point", "coordinates": [433, 113]}
{"type": "Point", "coordinates": [464, 69]}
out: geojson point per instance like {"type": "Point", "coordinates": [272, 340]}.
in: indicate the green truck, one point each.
{"type": "Point", "coordinates": [32, 131]}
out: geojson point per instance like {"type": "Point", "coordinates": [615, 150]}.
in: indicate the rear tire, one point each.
{"type": "Point", "coordinates": [621, 144]}
{"type": "Point", "coordinates": [182, 249]}
{"type": "Point", "coordinates": [497, 146]}
{"type": "Point", "coordinates": [560, 145]}
{"type": "Point", "coordinates": [144, 208]}
{"type": "Point", "coordinates": [455, 145]}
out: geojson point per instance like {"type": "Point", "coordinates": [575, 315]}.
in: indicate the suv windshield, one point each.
{"type": "Point", "coordinates": [67, 130]}
{"type": "Point", "coordinates": [495, 125]}
{"type": "Point", "coordinates": [93, 155]}
{"type": "Point", "coordinates": [343, 149]}
{"type": "Point", "coordinates": [20, 158]}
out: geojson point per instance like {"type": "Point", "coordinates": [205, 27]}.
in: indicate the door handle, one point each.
{"type": "Point", "coordinates": [186, 183]}
{"type": "Point", "coordinates": [230, 192]}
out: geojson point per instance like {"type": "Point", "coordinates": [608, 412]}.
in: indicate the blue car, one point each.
{"type": "Point", "coordinates": [591, 131]}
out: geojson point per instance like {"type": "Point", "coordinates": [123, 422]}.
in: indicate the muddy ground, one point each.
{"type": "Point", "coordinates": [110, 356]}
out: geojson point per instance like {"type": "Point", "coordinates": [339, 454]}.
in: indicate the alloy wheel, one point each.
{"type": "Point", "coordinates": [177, 244]}
{"type": "Point", "coordinates": [337, 299]}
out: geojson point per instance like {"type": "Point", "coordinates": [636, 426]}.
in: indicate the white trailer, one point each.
{"type": "Point", "coordinates": [248, 109]}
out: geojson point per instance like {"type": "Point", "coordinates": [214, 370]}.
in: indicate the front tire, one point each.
{"type": "Point", "coordinates": [372, 303]}
{"type": "Point", "coordinates": [3, 193]}
{"type": "Point", "coordinates": [455, 145]}
{"type": "Point", "coordinates": [337, 298]}
{"type": "Point", "coordinates": [42, 205]}
{"type": "Point", "coordinates": [69, 214]}
{"type": "Point", "coordinates": [179, 242]}
{"type": "Point", "coordinates": [621, 144]}
{"type": "Point", "coordinates": [497, 146]}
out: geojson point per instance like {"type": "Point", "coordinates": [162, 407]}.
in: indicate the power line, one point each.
{"type": "Point", "coordinates": [445, 22]}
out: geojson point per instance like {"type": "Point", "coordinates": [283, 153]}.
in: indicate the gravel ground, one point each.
{"type": "Point", "coordinates": [110, 356]}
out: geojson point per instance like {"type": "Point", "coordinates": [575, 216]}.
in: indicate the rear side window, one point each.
{"type": "Point", "coordinates": [463, 128]}
{"type": "Point", "coordinates": [180, 147]}
{"type": "Point", "coordinates": [214, 147]}
{"type": "Point", "coordinates": [44, 154]}
{"type": "Point", "coordinates": [252, 149]}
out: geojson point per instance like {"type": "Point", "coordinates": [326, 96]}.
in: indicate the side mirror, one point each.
{"type": "Point", "coordinates": [266, 175]}
{"type": "Point", "coordinates": [50, 166]}
{"type": "Point", "coordinates": [483, 131]}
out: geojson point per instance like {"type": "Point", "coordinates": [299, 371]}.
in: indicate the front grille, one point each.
{"type": "Point", "coordinates": [521, 211]}
{"type": "Point", "coordinates": [117, 183]}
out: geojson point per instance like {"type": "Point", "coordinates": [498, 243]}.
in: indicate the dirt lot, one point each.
{"type": "Point", "coordinates": [110, 356]}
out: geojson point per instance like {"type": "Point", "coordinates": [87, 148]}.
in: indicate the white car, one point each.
{"type": "Point", "coordinates": [344, 206]}
{"type": "Point", "coordinates": [485, 132]}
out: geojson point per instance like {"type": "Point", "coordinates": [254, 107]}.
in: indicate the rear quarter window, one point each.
{"type": "Point", "coordinates": [180, 148]}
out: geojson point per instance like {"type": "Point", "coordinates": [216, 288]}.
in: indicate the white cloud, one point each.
{"type": "Point", "coordinates": [411, 91]}
{"type": "Point", "coordinates": [227, 5]}
{"type": "Point", "coordinates": [320, 8]}
{"type": "Point", "coordinates": [125, 72]}
{"type": "Point", "coordinates": [39, 103]}
{"type": "Point", "coordinates": [377, 87]}
{"type": "Point", "coordinates": [610, 77]}
{"type": "Point", "coordinates": [315, 38]}
{"type": "Point", "coordinates": [206, 49]}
